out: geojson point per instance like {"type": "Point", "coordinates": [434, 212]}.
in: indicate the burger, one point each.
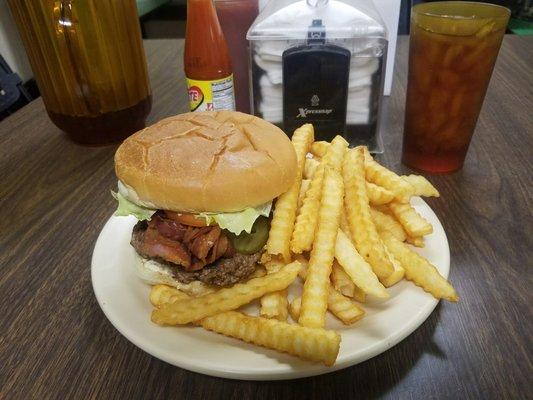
{"type": "Point", "coordinates": [201, 186]}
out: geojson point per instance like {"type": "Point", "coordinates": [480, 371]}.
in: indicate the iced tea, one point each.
{"type": "Point", "coordinates": [453, 48]}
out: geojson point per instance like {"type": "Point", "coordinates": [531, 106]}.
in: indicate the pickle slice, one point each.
{"type": "Point", "coordinates": [250, 243]}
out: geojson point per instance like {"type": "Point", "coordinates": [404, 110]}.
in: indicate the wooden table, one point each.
{"type": "Point", "coordinates": [54, 198]}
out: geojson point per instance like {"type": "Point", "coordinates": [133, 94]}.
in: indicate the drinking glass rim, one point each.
{"type": "Point", "coordinates": [505, 11]}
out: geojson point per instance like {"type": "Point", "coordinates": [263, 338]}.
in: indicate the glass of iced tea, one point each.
{"type": "Point", "coordinates": [452, 51]}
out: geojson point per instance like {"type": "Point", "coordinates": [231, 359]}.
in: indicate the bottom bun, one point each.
{"type": "Point", "coordinates": [155, 273]}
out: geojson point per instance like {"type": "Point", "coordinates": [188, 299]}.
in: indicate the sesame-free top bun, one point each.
{"type": "Point", "coordinates": [207, 161]}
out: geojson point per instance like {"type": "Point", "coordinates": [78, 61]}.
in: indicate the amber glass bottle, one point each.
{"type": "Point", "coordinates": [88, 60]}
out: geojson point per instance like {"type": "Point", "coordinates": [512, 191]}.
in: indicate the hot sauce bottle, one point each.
{"type": "Point", "coordinates": [207, 61]}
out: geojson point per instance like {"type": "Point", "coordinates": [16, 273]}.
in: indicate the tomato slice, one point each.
{"type": "Point", "coordinates": [186, 218]}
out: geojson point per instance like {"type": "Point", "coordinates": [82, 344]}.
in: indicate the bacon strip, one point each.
{"type": "Point", "coordinates": [157, 245]}
{"type": "Point", "coordinates": [191, 247]}
{"type": "Point", "coordinates": [169, 228]}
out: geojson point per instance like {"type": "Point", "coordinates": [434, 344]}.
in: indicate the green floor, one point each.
{"type": "Point", "coordinates": [145, 6]}
{"type": "Point", "coordinates": [520, 27]}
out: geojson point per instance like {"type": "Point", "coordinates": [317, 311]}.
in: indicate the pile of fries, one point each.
{"type": "Point", "coordinates": [343, 228]}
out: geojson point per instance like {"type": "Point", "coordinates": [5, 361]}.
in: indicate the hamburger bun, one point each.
{"type": "Point", "coordinates": [207, 162]}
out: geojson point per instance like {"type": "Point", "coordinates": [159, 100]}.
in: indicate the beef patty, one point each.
{"type": "Point", "coordinates": [222, 272]}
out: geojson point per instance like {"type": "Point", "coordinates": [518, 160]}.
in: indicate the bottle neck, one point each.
{"type": "Point", "coordinates": [206, 51]}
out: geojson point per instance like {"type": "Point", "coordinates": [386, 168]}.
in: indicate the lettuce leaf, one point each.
{"type": "Point", "coordinates": [126, 207]}
{"type": "Point", "coordinates": [237, 222]}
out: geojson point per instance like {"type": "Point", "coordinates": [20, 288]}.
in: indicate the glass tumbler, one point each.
{"type": "Point", "coordinates": [452, 51]}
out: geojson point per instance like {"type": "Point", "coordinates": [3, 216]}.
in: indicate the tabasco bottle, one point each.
{"type": "Point", "coordinates": [207, 61]}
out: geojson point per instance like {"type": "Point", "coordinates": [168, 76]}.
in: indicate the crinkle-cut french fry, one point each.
{"type": "Point", "coordinates": [339, 305]}
{"type": "Point", "coordinates": [303, 190]}
{"type": "Point", "coordinates": [344, 225]}
{"type": "Point", "coordinates": [284, 215]}
{"type": "Point", "coordinates": [344, 308]}
{"type": "Point", "coordinates": [302, 139]}
{"type": "Point", "coordinates": [196, 288]}
{"type": "Point", "coordinates": [357, 268]}
{"type": "Point", "coordinates": [419, 270]}
{"type": "Point", "coordinates": [387, 222]}
{"type": "Point", "coordinates": [259, 272]}
{"type": "Point", "coordinates": [318, 345]}
{"type": "Point", "coordinates": [305, 225]}
{"type": "Point", "coordinates": [265, 257]}
{"type": "Point", "coordinates": [341, 280]}
{"type": "Point", "coordinates": [384, 208]}
{"type": "Point", "coordinates": [303, 260]}
{"type": "Point", "coordinates": [362, 229]}
{"type": "Point", "coordinates": [417, 241]}
{"type": "Point", "coordinates": [359, 295]}
{"type": "Point", "coordinates": [225, 299]}
{"type": "Point", "coordinates": [413, 223]}
{"type": "Point", "coordinates": [274, 264]}
{"type": "Point", "coordinates": [315, 292]}
{"type": "Point", "coordinates": [335, 154]}
{"type": "Point", "coordinates": [319, 148]}
{"type": "Point", "coordinates": [162, 294]}
{"type": "Point", "coordinates": [421, 186]}
{"type": "Point", "coordinates": [295, 307]}
{"type": "Point", "coordinates": [378, 195]}
{"type": "Point", "coordinates": [306, 221]}
{"type": "Point", "coordinates": [311, 164]}
{"type": "Point", "coordinates": [378, 174]}
{"type": "Point", "coordinates": [282, 222]}
{"type": "Point", "coordinates": [303, 272]}
{"type": "Point", "coordinates": [397, 275]}
{"type": "Point", "coordinates": [274, 305]}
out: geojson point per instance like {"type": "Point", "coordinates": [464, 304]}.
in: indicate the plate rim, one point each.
{"type": "Point", "coordinates": [268, 375]}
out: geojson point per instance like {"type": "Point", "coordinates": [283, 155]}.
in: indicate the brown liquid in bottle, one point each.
{"type": "Point", "coordinates": [89, 63]}
{"type": "Point", "coordinates": [107, 128]}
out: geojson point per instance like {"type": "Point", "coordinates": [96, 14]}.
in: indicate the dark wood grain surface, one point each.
{"type": "Point", "coordinates": [54, 198]}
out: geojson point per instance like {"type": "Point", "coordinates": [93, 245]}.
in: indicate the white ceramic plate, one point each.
{"type": "Point", "coordinates": [124, 300]}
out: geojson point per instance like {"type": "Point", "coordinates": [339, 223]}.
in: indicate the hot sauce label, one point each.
{"type": "Point", "coordinates": [212, 95]}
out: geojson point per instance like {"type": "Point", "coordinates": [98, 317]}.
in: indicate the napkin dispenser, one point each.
{"type": "Point", "coordinates": [315, 84]}
{"type": "Point", "coordinates": [319, 62]}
